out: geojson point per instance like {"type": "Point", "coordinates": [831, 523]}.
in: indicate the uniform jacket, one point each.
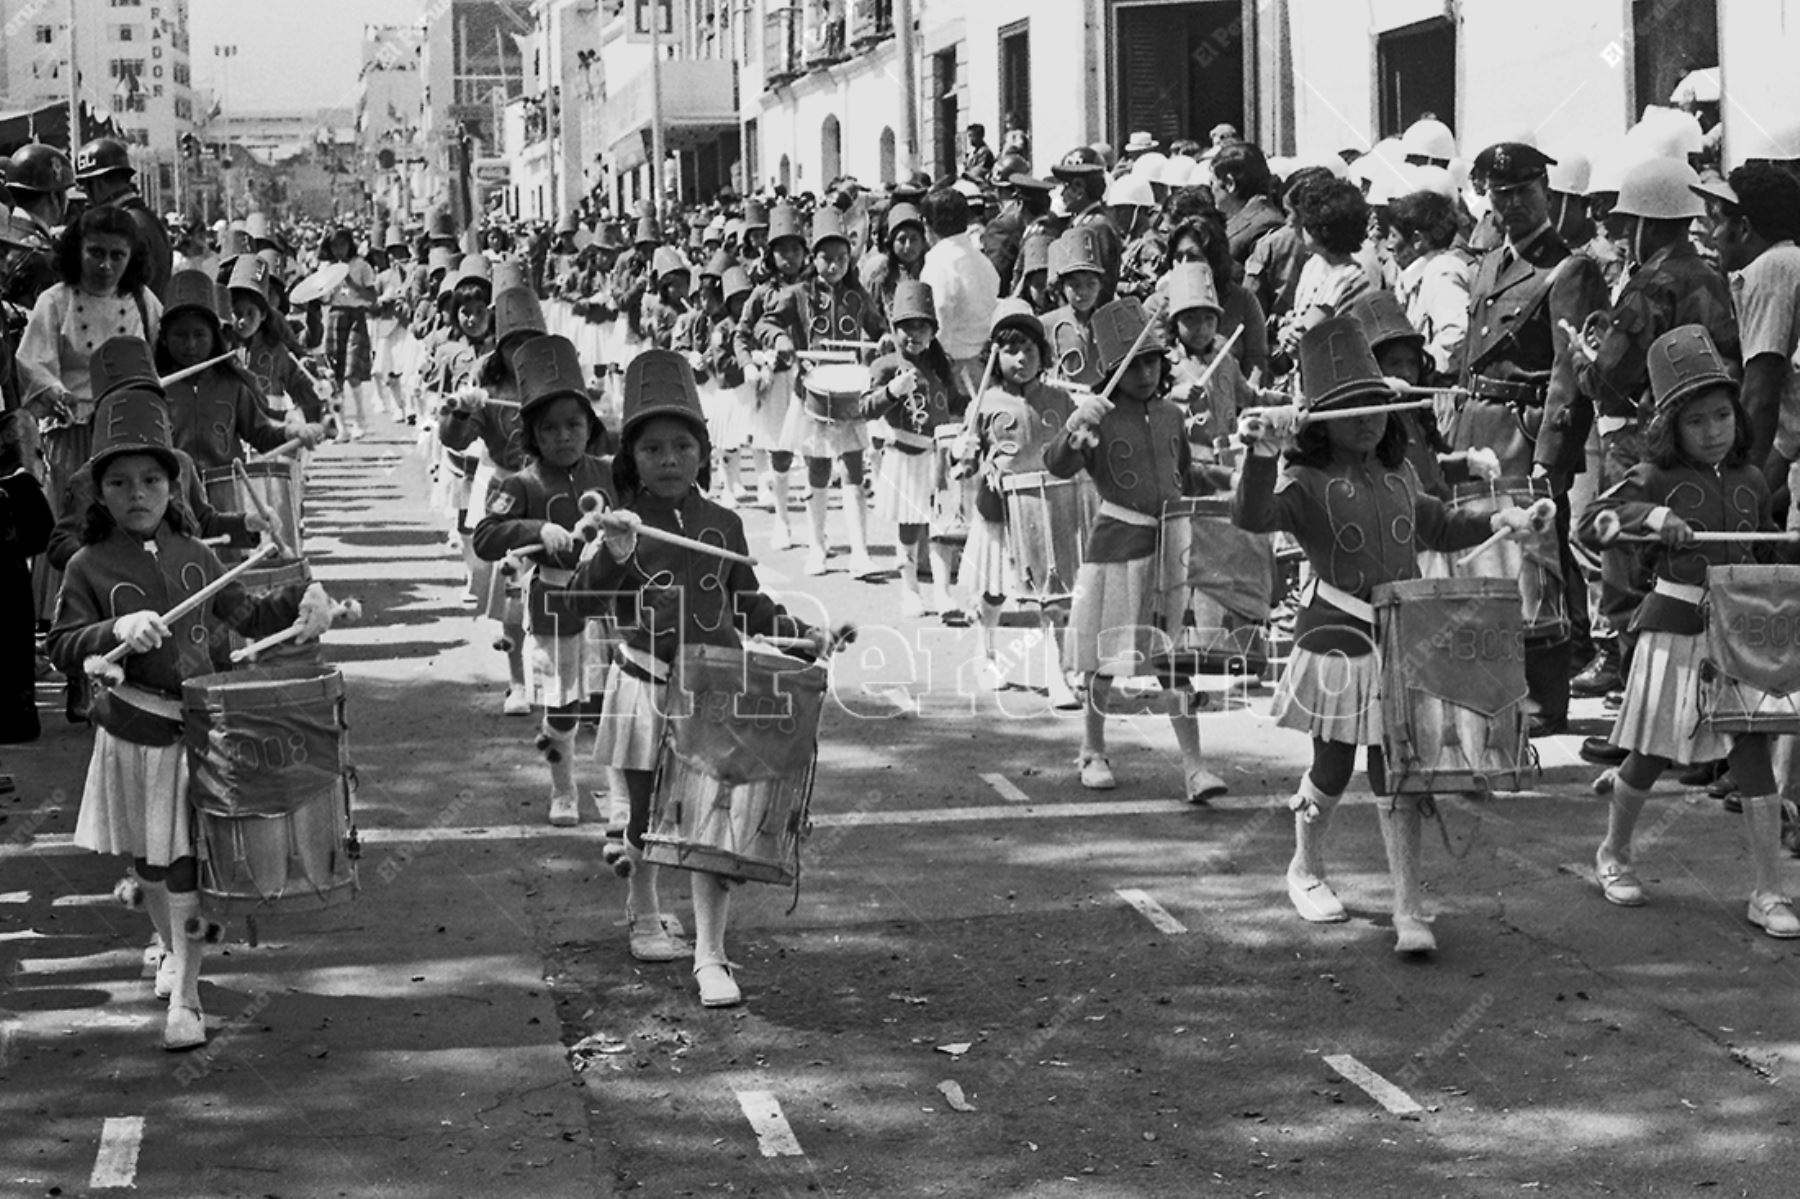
{"type": "Point", "coordinates": [518, 507]}
{"type": "Point", "coordinates": [937, 402]}
{"type": "Point", "coordinates": [278, 373]}
{"type": "Point", "coordinates": [214, 413]}
{"type": "Point", "coordinates": [1141, 462]}
{"type": "Point", "coordinates": [189, 492]}
{"type": "Point", "coordinates": [1074, 355]}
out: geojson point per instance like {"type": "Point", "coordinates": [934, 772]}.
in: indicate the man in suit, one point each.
{"type": "Point", "coordinates": [1519, 366]}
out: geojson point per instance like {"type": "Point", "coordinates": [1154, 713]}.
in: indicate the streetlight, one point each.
{"type": "Point", "coordinates": [225, 52]}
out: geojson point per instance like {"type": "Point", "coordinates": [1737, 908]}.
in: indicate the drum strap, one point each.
{"type": "Point", "coordinates": [1687, 593]}
{"type": "Point", "coordinates": [908, 439]}
{"type": "Point", "coordinates": [555, 576]}
{"type": "Point", "coordinates": [1127, 516]}
{"type": "Point", "coordinates": [642, 666]}
{"type": "Point", "coordinates": [153, 702]}
{"type": "Point", "coordinates": [1342, 600]}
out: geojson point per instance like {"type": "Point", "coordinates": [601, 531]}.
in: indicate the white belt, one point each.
{"type": "Point", "coordinates": [651, 665]}
{"type": "Point", "coordinates": [1342, 600]}
{"type": "Point", "coordinates": [148, 701]}
{"type": "Point", "coordinates": [907, 437]}
{"type": "Point", "coordinates": [1687, 593]}
{"type": "Point", "coordinates": [1128, 516]}
{"type": "Point", "coordinates": [555, 576]}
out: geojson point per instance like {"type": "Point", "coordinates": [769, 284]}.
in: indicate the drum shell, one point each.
{"type": "Point", "coordinates": [1453, 686]}
{"type": "Point", "coordinates": [270, 786]}
{"type": "Point", "coordinates": [734, 778]}
{"type": "Point", "coordinates": [276, 481]}
{"type": "Point", "coordinates": [834, 391]}
{"type": "Point", "coordinates": [1750, 677]}
{"type": "Point", "coordinates": [1534, 562]}
{"type": "Point", "coordinates": [1047, 520]}
{"type": "Point", "coordinates": [1213, 591]}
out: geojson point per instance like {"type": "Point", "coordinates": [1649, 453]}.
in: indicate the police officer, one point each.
{"type": "Point", "coordinates": [1082, 173]}
{"type": "Point", "coordinates": [1670, 286]}
{"type": "Point", "coordinates": [103, 167]}
{"type": "Point", "coordinates": [38, 178]}
{"type": "Point", "coordinates": [1023, 200]}
{"type": "Point", "coordinates": [1519, 369]}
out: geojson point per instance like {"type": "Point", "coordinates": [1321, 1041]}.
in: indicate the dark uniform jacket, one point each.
{"type": "Point", "coordinates": [518, 507]}
{"type": "Point", "coordinates": [1517, 358]}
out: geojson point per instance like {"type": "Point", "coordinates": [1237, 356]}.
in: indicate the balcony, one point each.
{"type": "Point", "coordinates": [781, 46]}
{"type": "Point", "coordinates": [822, 34]}
{"type": "Point", "coordinates": [698, 105]}
{"type": "Point", "coordinates": [870, 21]}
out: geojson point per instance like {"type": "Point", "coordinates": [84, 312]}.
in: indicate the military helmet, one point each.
{"type": "Point", "coordinates": [1660, 189]}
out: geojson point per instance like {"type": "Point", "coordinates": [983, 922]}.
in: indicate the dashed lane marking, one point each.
{"type": "Point", "coordinates": [773, 1136]}
{"type": "Point", "coordinates": [116, 1164]}
{"type": "Point", "coordinates": [1004, 786]}
{"type": "Point", "coordinates": [1374, 1085]}
{"type": "Point", "coordinates": [1152, 911]}
{"type": "Point", "coordinates": [15, 897]}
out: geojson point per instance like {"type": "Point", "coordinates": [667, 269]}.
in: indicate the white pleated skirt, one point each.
{"type": "Point", "coordinates": [1661, 712]}
{"type": "Point", "coordinates": [1331, 697]}
{"type": "Point", "coordinates": [135, 801]}
{"type": "Point", "coordinates": [632, 718]}
{"type": "Point", "coordinates": [1109, 618]}
{"type": "Point", "coordinates": [560, 671]}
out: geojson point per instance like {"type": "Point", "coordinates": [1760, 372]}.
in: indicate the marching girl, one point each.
{"type": "Point", "coordinates": [1361, 518]}
{"type": "Point", "coordinates": [1034, 271]}
{"type": "Point", "coordinates": [1077, 276]}
{"type": "Point", "coordinates": [485, 411]}
{"type": "Point", "coordinates": [1013, 422]}
{"type": "Point", "coordinates": [670, 597]}
{"type": "Point", "coordinates": [470, 338]}
{"type": "Point", "coordinates": [765, 346]}
{"type": "Point", "coordinates": [914, 391]}
{"type": "Point", "coordinates": [900, 258]}
{"type": "Point", "coordinates": [1695, 478]}
{"type": "Point", "coordinates": [139, 561]}
{"type": "Point", "coordinates": [532, 513]}
{"type": "Point", "coordinates": [388, 330]}
{"type": "Point", "coordinates": [347, 345]}
{"type": "Point", "coordinates": [1136, 451]}
{"type": "Point", "coordinates": [736, 396]}
{"type": "Point", "coordinates": [268, 344]}
{"type": "Point", "coordinates": [1211, 391]}
{"type": "Point", "coordinates": [663, 308]}
{"type": "Point", "coordinates": [219, 410]}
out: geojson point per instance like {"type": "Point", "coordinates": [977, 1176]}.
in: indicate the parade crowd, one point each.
{"type": "Point", "coordinates": [1435, 437]}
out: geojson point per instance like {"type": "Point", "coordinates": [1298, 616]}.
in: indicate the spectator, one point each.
{"type": "Point", "coordinates": [964, 285]}
{"type": "Point", "coordinates": [1241, 188]}
{"type": "Point", "coordinates": [1434, 278]}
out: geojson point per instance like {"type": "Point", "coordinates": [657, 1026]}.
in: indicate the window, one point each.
{"type": "Point", "coordinates": [1015, 76]}
{"type": "Point", "coordinates": [118, 68]}
{"type": "Point", "coordinates": [127, 3]}
{"type": "Point", "coordinates": [945, 112]}
{"type": "Point", "coordinates": [124, 33]}
{"type": "Point", "coordinates": [44, 35]}
{"type": "Point", "coordinates": [1670, 40]}
{"type": "Point", "coordinates": [1178, 69]}
{"type": "Point", "coordinates": [831, 150]}
{"type": "Point", "coordinates": [1417, 69]}
{"type": "Point", "coordinates": [133, 103]}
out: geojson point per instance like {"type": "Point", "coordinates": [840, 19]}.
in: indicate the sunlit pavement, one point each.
{"type": "Point", "coordinates": [992, 982]}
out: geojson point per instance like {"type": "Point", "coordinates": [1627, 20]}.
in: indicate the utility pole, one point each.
{"type": "Point", "coordinates": [909, 87]}
{"type": "Point", "coordinates": [74, 90]}
{"type": "Point", "coordinates": [658, 151]}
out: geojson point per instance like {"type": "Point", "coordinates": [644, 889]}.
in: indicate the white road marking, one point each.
{"type": "Point", "coordinates": [1004, 785]}
{"type": "Point", "coordinates": [773, 1136]}
{"type": "Point", "coordinates": [116, 1164]}
{"type": "Point", "coordinates": [1152, 911]}
{"type": "Point", "coordinates": [97, 900]}
{"type": "Point", "coordinates": [1374, 1085]}
{"type": "Point", "coordinates": [15, 897]}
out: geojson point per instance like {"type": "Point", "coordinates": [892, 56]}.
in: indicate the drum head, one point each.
{"type": "Point", "coordinates": [838, 378]}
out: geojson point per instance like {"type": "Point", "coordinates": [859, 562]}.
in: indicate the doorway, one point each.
{"type": "Point", "coordinates": [1177, 68]}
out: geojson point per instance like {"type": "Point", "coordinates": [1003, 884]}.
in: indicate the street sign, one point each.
{"type": "Point", "coordinates": [640, 20]}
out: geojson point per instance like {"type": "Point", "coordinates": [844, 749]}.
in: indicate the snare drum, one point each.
{"type": "Point", "coordinates": [1453, 686]}
{"type": "Point", "coordinates": [735, 772]}
{"type": "Point", "coordinates": [834, 390]}
{"type": "Point", "coordinates": [1750, 677]}
{"type": "Point", "coordinates": [1047, 520]}
{"type": "Point", "coordinates": [1213, 587]}
{"type": "Point", "coordinates": [264, 580]}
{"type": "Point", "coordinates": [276, 482]}
{"type": "Point", "coordinates": [1533, 561]}
{"type": "Point", "coordinates": [270, 785]}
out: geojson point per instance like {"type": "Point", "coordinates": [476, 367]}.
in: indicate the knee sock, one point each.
{"type": "Point", "coordinates": [1401, 833]}
{"type": "Point", "coordinates": [641, 899]}
{"type": "Point", "coordinates": [558, 746]}
{"type": "Point", "coordinates": [188, 946]}
{"type": "Point", "coordinates": [1762, 835]}
{"type": "Point", "coordinates": [1312, 821]}
{"type": "Point", "coordinates": [1622, 811]}
{"type": "Point", "coordinates": [712, 906]}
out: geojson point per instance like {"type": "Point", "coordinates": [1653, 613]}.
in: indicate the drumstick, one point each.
{"type": "Point", "coordinates": [285, 448]}
{"type": "Point", "coordinates": [1151, 316]}
{"type": "Point", "coordinates": [1409, 389]}
{"type": "Point", "coordinates": [340, 610]}
{"type": "Point", "coordinates": [845, 343]}
{"type": "Point", "coordinates": [1219, 358]}
{"type": "Point", "coordinates": [972, 416]}
{"type": "Point", "coordinates": [1543, 518]}
{"type": "Point", "coordinates": [102, 665]}
{"type": "Point", "coordinates": [262, 509]}
{"type": "Point", "coordinates": [1307, 418]}
{"type": "Point", "coordinates": [825, 355]}
{"type": "Point", "coordinates": [188, 372]}
{"type": "Point", "coordinates": [1608, 531]}
{"type": "Point", "coordinates": [221, 539]}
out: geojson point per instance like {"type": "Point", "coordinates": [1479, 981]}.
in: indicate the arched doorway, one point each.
{"type": "Point", "coordinates": [786, 174]}
{"type": "Point", "coordinates": [887, 156]}
{"type": "Point", "coordinates": [831, 150]}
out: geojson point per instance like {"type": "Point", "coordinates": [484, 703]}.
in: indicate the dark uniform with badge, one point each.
{"type": "Point", "coordinates": [1085, 163]}
{"type": "Point", "coordinates": [1519, 370]}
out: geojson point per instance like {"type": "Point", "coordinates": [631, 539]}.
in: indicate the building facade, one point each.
{"type": "Point", "coordinates": [132, 61]}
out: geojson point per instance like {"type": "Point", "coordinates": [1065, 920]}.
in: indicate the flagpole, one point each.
{"type": "Point", "coordinates": [74, 89]}
{"type": "Point", "coordinates": [658, 151]}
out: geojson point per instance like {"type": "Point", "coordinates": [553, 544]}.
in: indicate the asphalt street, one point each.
{"type": "Point", "coordinates": [991, 982]}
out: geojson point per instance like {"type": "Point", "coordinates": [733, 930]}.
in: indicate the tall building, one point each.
{"type": "Point", "coordinates": [390, 114]}
{"type": "Point", "coordinates": [472, 67]}
{"type": "Point", "coordinates": [132, 61]}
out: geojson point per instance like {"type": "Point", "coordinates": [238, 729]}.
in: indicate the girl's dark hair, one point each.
{"type": "Point", "coordinates": [1336, 214]}
{"type": "Point", "coordinates": [1215, 246]}
{"type": "Point", "coordinates": [1662, 441]}
{"type": "Point", "coordinates": [1312, 445]}
{"type": "Point", "coordinates": [97, 523]}
{"type": "Point", "coordinates": [1190, 203]}
{"type": "Point", "coordinates": [1012, 335]}
{"type": "Point", "coordinates": [1300, 184]}
{"type": "Point", "coordinates": [325, 254]}
{"type": "Point", "coordinates": [528, 425]}
{"type": "Point", "coordinates": [106, 220]}
{"type": "Point", "coordinates": [1429, 213]}
{"type": "Point", "coordinates": [624, 466]}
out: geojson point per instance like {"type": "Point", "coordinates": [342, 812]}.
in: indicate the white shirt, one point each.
{"type": "Point", "coordinates": [1435, 293]}
{"type": "Point", "coordinates": [964, 288]}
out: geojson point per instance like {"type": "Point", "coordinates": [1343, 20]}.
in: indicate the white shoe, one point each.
{"type": "Point", "coordinates": [565, 811]}
{"type": "Point", "coordinates": [1314, 899]}
{"type": "Point", "coordinates": [912, 604]}
{"type": "Point", "coordinates": [1203, 786]}
{"type": "Point", "coordinates": [1096, 772]}
{"type": "Point", "coordinates": [862, 566]}
{"type": "Point", "coordinates": [651, 941]}
{"type": "Point", "coordinates": [166, 977]}
{"type": "Point", "coordinates": [1774, 914]}
{"type": "Point", "coordinates": [717, 987]}
{"type": "Point", "coordinates": [1413, 936]}
{"type": "Point", "coordinates": [515, 703]}
{"type": "Point", "coordinates": [185, 1028]}
{"type": "Point", "coordinates": [783, 536]}
{"type": "Point", "coordinates": [988, 676]}
{"type": "Point", "coordinates": [1062, 696]}
{"type": "Point", "coordinates": [817, 561]}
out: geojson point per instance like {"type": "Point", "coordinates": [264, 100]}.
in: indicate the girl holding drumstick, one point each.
{"type": "Point", "coordinates": [140, 561]}
{"type": "Point", "coordinates": [1361, 518]}
{"type": "Point", "coordinates": [671, 596]}
{"type": "Point", "coordinates": [1695, 476]}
